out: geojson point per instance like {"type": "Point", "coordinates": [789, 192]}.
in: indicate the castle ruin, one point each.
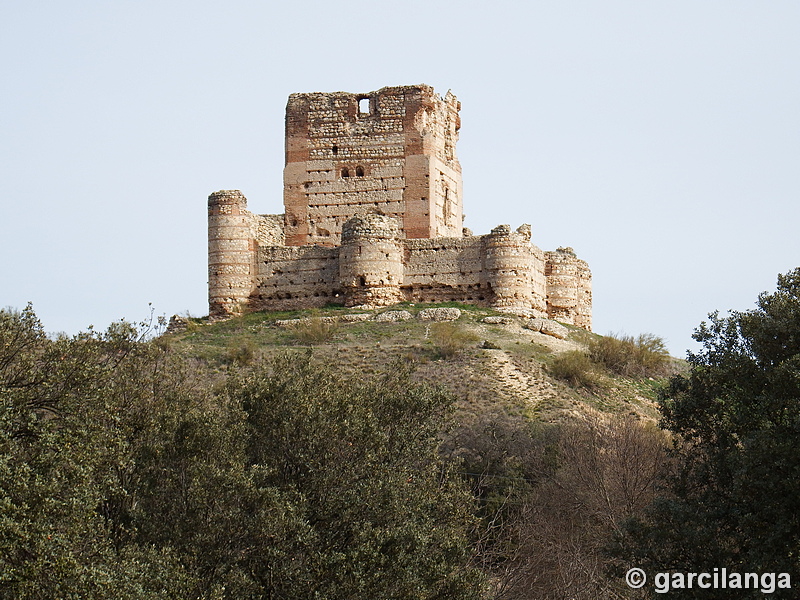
{"type": "Point", "coordinates": [373, 216]}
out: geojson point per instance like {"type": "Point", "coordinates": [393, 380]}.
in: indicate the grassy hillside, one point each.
{"type": "Point", "coordinates": [495, 368]}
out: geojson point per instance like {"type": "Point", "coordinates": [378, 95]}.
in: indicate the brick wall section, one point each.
{"type": "Point", "coordinates": [445, 270]}
{"type": "Point", "coordinates": [292, 277]}
{"type": "Point", "coordinates": [269, 230]}
{"type": "Point", "coordinates": [502, 269]}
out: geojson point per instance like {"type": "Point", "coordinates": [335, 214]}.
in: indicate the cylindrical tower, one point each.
{"type": "Point", "coordinates": [567, 277]}
{"type": "Point", "coordinates": [371, 261]}
{"type": "Point", "coordinates": [508, 262]}
{"type": "Point", "coordinates": [231, 253]}
{"type": "Point", "coordinates": [583, 313]}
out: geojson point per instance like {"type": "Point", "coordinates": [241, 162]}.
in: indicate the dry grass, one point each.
{"type": "Point", "coordinates": [450, 340]}
{"type": "Point", "coordinates": [314, 331]}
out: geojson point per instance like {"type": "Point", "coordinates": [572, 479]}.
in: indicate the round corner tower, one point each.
{"type": "Point", "coordinates": [569, 288]}
{"type": "Point", "coordinates": [231, 253]}
{"type": "Point", "coordinates": [371, 261]}
{"type": "Point", "coordinates": [509, 262]}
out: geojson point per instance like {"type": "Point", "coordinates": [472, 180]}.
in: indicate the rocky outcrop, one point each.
{"type": "Point", "coordinates": [439, 314]}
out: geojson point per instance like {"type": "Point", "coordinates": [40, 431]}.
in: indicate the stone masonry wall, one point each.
{"type": "Point", "coordinates": [569, 288]}
{"type": "Point", "coordinates": [292, 277]}
{"type": "Point", "coordinates": [371, 261]}
{"type": "Point", "coordinates": [463, 270]}
{"type": "Point", "coordinates": [269, 230]}
{"type": "Point", "coordinates": [375, 266]}
{"type": "Point", "coordinates": [445, 270]}
{"type": "Point", "coordinates": [231, 252]}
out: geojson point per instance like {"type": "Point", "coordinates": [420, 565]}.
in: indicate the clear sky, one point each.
{"type": "Point", "coordinates": [661, 139]}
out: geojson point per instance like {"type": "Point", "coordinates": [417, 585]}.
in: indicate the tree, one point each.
{"type": "Point", "coordinates": [126, 473]}
{"type": "Point", "coordinates": [551, 497]}
{"type": "Point", "coordinates": [62, 445]}
{"type": "Point", "coordinates": [607, 471]}
{"type": "Point", "coordinates": [375, 511]}
{"type": "Point", "coordinates": [735, 500]}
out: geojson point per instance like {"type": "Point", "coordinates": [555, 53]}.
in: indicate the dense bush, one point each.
{"type": "Point", "coordinates": [74, 413]}
{"type": "Point", "coordinates": [643, 356]}
{"type": "Point", "coordinates": [127, 472]}
{"type": "Point", "coordinates": [574, 367]}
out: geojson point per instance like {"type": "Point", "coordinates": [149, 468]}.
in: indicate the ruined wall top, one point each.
{"type": "Point", "coordinates": [371, 226]}
{"type": "Point", "coordinates": [227, 197]}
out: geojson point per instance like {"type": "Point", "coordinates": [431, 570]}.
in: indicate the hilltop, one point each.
{"type": "Point", "coordinates": [501, 366]}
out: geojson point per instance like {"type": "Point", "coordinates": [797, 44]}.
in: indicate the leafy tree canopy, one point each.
{"type": "Point", "coordinates": [127, 473]}
{"type": "Point", "coordinates": [735, 499]}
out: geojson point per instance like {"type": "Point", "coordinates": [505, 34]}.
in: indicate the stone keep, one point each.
{"type": "Point", "coordinates": [373, 216]}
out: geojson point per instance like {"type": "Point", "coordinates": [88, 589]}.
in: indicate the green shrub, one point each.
{"type": "Point", "coordinates": [575, 367]}
{"type": "Point", "coordinates": [193, 324]}
{"type": "Point", "coordinates": [642, 356]}
{"type": "Point", "coordinates": [449, 339]}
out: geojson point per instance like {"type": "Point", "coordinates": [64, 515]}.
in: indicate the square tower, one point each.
{"type": "Point", "coordinates": [392, 152]}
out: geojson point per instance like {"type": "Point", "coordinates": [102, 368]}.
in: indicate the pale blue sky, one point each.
{"type": "Point", "coordinates": [661, 140]}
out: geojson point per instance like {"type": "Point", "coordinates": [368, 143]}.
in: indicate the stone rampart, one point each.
{"type": "Point", "coordinates": [569, 291]}
{"type": "Point", "coordinates": [445, 270]}
{"type": "Point", "coordinates": [291, 277]}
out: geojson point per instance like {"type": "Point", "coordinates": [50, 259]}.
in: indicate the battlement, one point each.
{"type": "Point", "coordinates": [373, 216]}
